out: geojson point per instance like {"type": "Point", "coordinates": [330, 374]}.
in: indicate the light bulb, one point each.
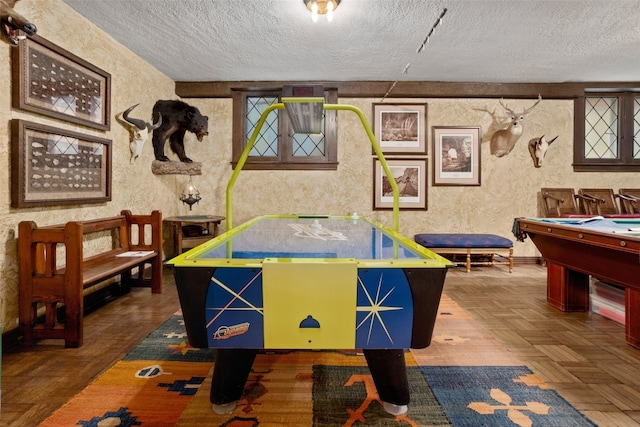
{"type": "Point", "coordinates": [330, 11]}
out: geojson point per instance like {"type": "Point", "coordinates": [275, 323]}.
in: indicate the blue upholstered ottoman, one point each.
{"type": "Point", "coordinates": [468, 244]}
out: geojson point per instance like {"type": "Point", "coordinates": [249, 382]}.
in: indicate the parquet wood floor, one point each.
{"type": "Point", "coordinates": [581, 355]}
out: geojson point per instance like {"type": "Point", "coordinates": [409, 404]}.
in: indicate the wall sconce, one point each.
{"type": "Point", "coordinates": [190, 195]}
{"type": "Point", "coordinates": [321, 7]}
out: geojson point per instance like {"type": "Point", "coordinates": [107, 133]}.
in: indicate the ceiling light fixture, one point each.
{"type": "Point", "coordinates": [321, 7]}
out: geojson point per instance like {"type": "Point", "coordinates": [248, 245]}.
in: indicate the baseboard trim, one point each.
{"type": "Point", "coordinates": [521, 260]}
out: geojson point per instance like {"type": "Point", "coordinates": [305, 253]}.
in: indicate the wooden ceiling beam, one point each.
{"type": "Point", "coordinates": [412, 89]}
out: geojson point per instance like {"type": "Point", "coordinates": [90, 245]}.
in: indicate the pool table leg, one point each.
{"type": "Point", "coordinates": [632, 316]}
{"type": "Point", "coordinates": [567, 290]}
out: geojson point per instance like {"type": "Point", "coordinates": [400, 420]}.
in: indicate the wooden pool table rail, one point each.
{"type": "Point", "coordinates": [573, 254]}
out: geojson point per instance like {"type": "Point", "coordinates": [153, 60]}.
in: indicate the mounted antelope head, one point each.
{"type": "Point", "coordinates": [503, 141]}
{"type": "Point", "coordinates": [538, 149]}
{"type": "Point", "coordinates": [11, 21]}
{"type": "Point", "coordinates": [138, 131]}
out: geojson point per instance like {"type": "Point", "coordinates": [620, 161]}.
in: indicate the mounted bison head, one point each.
{"type": "Point", "coordinates": [11, 22]}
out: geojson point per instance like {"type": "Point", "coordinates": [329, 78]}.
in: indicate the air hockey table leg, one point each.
{"type": "Point", "coordinates": [233, 366]}
{"type": "Point", "coordinates": [389, 372]}
{"type": "Point", "coordinates": [230, 372]}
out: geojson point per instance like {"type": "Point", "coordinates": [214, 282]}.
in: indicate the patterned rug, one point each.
{"type": "Point", "coordinates": [165, 382]}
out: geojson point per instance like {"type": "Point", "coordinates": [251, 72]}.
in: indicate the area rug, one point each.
{"type": "Point", "coordinates": [151, 386]}
{"type": "Point", "coordinates": [165, 382]}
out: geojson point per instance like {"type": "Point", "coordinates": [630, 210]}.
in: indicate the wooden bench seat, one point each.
{"type": "Point", "coordinates": [124, 246]}
{"type": "Point", "coordinates": [469, 244]}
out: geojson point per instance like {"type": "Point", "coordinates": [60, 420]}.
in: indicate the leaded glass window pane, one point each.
{"type": "Point", "coordinates": [276, 146]}
{"type": "Point", "coordinates": [266, 144]}
{"type": "Point", "coordinates": [636, 127]}
{"type": "Point", "coordinates": [601, 128]}
{"type": "Point", "coordinates": [308, 145]}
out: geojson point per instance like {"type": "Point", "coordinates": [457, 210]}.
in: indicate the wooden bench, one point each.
{"type": "Point", "coordinates": [469, 244]}
{"type": "Point", "coordinates": [114, 246]}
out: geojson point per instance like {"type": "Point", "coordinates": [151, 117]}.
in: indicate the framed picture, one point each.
{"type": "Point", "coordinates": [456, 155]}
{"type": "Point", "coordinates": [401, 128]}
{"type": "Point", "coordinates": [51, 81]}
{"type": "Point", "coordinates": [411, 177]}
{"type": "Point", "coordinates": [51, 166]}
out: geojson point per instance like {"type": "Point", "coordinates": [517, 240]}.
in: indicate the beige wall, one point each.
{"type": "Point", "coordinates": [509, 189]}
{"type": "Point", "coordinates": [134, 187]}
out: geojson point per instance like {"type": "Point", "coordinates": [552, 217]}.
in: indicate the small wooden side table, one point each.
{"type": "Point", "coordinates": [185, 238]}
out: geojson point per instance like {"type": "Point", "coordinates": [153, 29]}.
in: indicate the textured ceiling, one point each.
{"type": "Point", "coordinates": [507, 41]}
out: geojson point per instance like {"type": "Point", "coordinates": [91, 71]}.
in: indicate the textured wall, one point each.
{"type": "Point", "coordinates": [510, 185]}
{"type": "Point", "coordinates": [134, 187]}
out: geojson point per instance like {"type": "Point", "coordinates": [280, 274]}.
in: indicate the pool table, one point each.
{"type": "Point", "coordinates": [310, 282]}
{"type": "Point", "coordinates": [577, 248]}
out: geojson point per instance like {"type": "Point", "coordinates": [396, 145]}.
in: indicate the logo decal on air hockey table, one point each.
{"type": "Point", "coordinates": [316, 231]}
{"type": "Point", "coordinates": [225, 332]}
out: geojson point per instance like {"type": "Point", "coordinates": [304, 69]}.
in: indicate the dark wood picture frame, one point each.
{"type": "Point", "coordinates": [51, 166]}
{"type": "Point", "coordinates": [56, 83]}
{"type": "Point", "coordinates": [456, 155]}
{"type": "Point", "coordinates": [400, 128]}
{"type": "Point", "coordinates": [413, 185]}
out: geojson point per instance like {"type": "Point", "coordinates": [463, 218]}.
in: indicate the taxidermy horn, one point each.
{"type": "Point", "coordinates": [140, 124]}
{"type": "Point", "coordinates": [538, 149]}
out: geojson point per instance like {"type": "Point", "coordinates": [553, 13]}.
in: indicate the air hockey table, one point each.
{"type": "Point", "coordinates": [310, 282]}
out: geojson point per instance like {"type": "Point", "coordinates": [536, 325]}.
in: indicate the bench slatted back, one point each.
{"type": "Point", "coordinates": [139, 221]}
